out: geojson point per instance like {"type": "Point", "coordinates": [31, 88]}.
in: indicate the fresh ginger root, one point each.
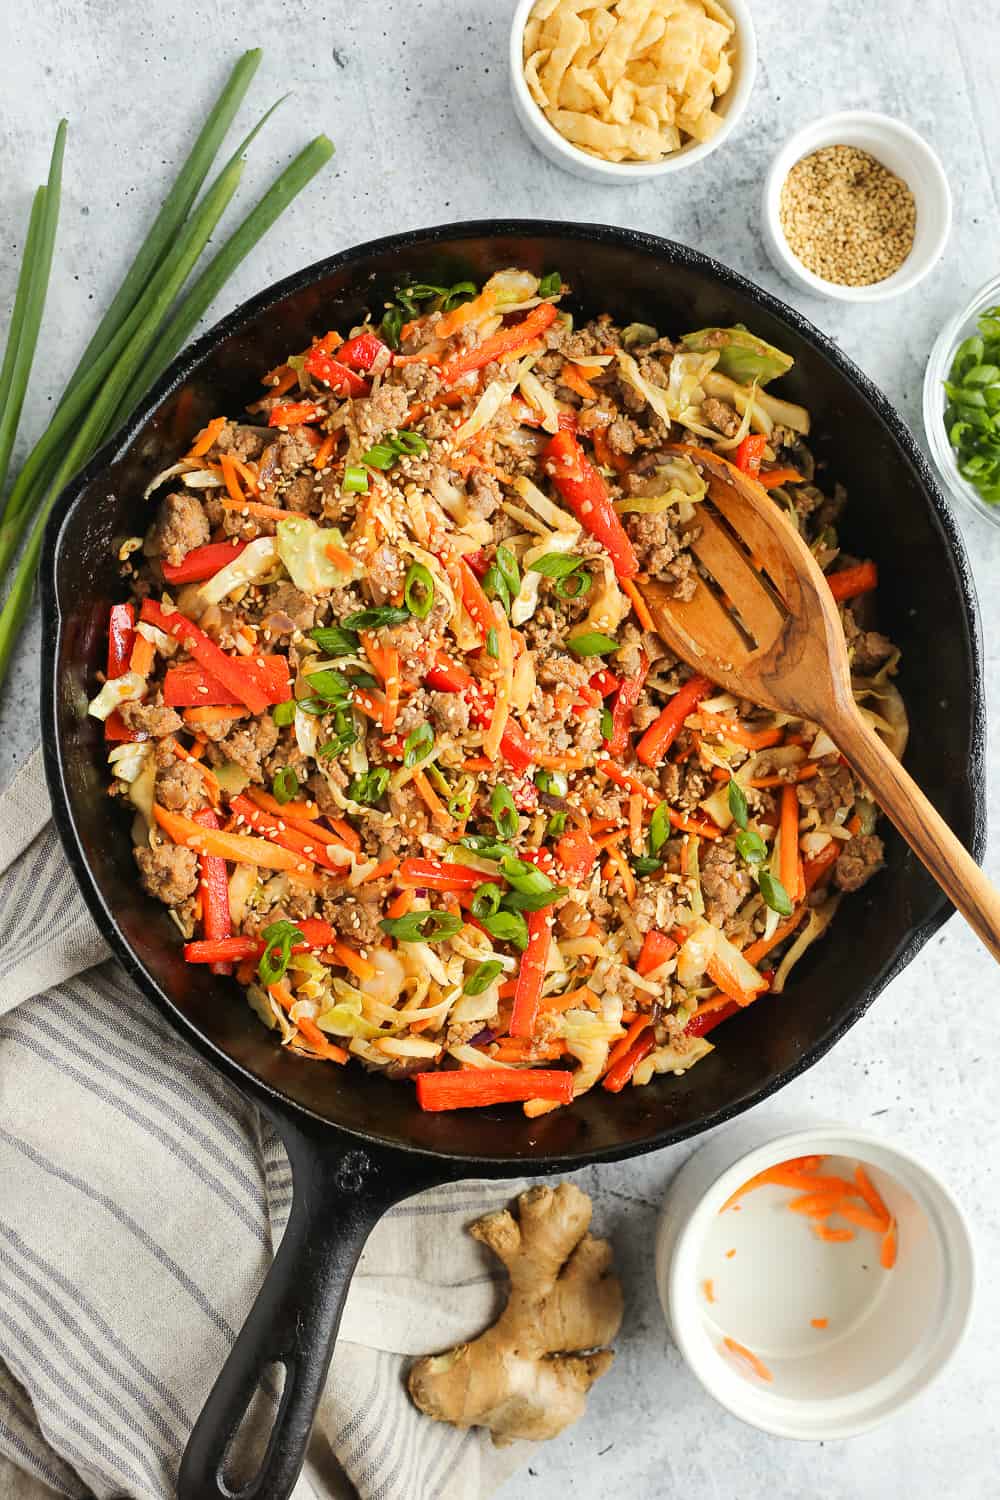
{"type": "Point", "coordinates": [528, 1375]}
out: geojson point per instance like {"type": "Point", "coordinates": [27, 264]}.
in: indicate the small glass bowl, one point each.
{"type": "Point", "coordinates": [960, 327]}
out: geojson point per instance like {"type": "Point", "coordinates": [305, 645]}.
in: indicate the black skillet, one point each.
{"type": "Point", "coordinates": [358, 1144]}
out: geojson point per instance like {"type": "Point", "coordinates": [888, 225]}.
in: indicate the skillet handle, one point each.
{"type": "Point", "coordinates": [340, 1193]}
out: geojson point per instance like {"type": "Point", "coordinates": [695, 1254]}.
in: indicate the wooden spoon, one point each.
{"type": "Point", "coordinates": [769, 631]}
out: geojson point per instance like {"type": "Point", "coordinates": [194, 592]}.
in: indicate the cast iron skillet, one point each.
{"type": "Point", "coordinates": [358, 1144]}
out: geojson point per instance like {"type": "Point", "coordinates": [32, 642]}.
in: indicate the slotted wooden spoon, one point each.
{"type": "Point", "coordinates": [767, 628]}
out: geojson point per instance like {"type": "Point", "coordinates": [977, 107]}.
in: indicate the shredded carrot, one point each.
{"type": "Point", "coordinates": [256, 508]}
{"type": "Point", "coordinates": [834, 1236]}
{"type": "Point", "coordinates": [391, 709]}
{"type": "Point", "coordinates": [143, 656]}
{"type": "Point", "coordinates": [789, 835]}
{"type": "Point", "coordinates": [730, 1253]}
{"type": "Point", "coordinates": [786, 1174]}
{"type": "Point", "coordinates": [582, 996]}
{"type": "Point", "coordinates": [452, 321]}
{"type": "Point", "coordinates": [800, 773]}
{"type": "Point", "coordinates": [505, 682]}
{"type": "Point", "coordinates": [436, 808]}
{"type": "Point", "coordinates": [708, 1288]}
{"type": "Point", "coordinates": [206, 437]}
{"type": "Point", "coordinates": [517, 1049]}
{"type": "Point", "coordinates": [771, 478]}
{"type": "Point", "coordinates": [400, 905]}
{"type": "Point", "coordinates": [363, 968]}
{"type": "Point", "coordinates": [339, 557]}
{"type": "Point", "coordinates": [298, 815]}
{"type": "Point", "coordinates": [346, 834]}
{"type": "Point", "coordinates": [816, 1205]}
{"type": "Point", "coordinates": [887, 1255]}
{"type": "Point", "coordinates": [763, 946]}
{"type": "Point", "coordinates": [324, 452]}
{"type": "Point", "coordinates": [232, 479]}
{"type": "Point", "coordinates": [386, 867]}
{"type": "Point", "coordinates": [635, 803]}
{"type": "Point", "coordinates": [871, 1195]}
{"type": "Point", "coordinates": [280, 992]}
{"type": "Point", "coordinates": [819, 1322]}
{"type": "Point", "coordinates": [758, 1366]}
{"type": "Point", "coordinates": [320, 1044]}
{"type": "Point", "coordinates": [621, 1047]}
{"type": "Point", "coordinates": [638, 603]}
{"type": "Point", "coordinates": [559, 762]}
{"type": "Point", "coordinates": [573, 377]}
{"type": "Point", "coordinates": [246, 473]}
{"type": "Point", "coordinates": [863, 1217]}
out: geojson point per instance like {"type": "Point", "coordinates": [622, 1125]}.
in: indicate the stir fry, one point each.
{"type": "Point", "coordinates": [402, 752]}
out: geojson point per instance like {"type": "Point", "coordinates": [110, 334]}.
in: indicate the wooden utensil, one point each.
{"type": "Point", "coordinates": [767, 628]}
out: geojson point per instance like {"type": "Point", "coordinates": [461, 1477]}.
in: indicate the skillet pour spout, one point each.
{"type": "Point", "coordinates": [357, 1142]}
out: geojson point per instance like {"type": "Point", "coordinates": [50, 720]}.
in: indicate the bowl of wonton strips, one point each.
{"type": "Point", "coordinates": [620, 90]}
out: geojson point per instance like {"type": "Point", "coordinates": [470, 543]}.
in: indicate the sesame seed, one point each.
{"type": "Point", "coordinates": [847, 217]}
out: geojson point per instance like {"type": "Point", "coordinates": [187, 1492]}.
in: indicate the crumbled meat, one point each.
{"type": "Point", "coordinates": [832, 789]}
{"type": "Point", "coordinates": [180, 786]}
{"type": "Point", "coordinates": [725, 881]}
{"type": "Point", "coordinates": [655, 540]}
{"type": "Point", "coordinates": [450, 713]}
{"type": "Point", "coordinates": [554, 669]}
{"type": "Point", "coordinates": [300, 494]}
{"type": "Point", "coordinates": [415, 711]}
{"type": "Point", "coordinates": [286, 599]}
{"type": "Point", "coordinates": [486, 495]}
{"type": "Point", "coordinates": [215, 729]}
{"type": "Point", "coordinates": [383, 412]}
{"type": "Point", "coordinates": [422, 381]}
{"type": "Point", "coordinates": [720, 415]}
{"type": "Point", "coordinates": [244, 442]}
{"type": "Point", "coordinates": [409, 815]}
{"type": "Point", "coordinates": [653, 906]}
{"type": "Point", "coordinates": [386, 571]}
{"type": "Point", "coordinates": [152, 719]}
{"type": "Point", "coordinates": [410, 637]}
{"type": "Point", "coordinates": [621, 435]}
{"type": "Point", "coordinates": [247, 746]}
{"type": "Point", "coordinates": [683, 575]}
{"type": "Point", "coordinates": [862, 856]}
{"type": "Point", "coordinates": [356, 916]}
{"type": "Point", "coordinates": [319, 787]}
{"type": "Point", "coordinates": [868, 649]}
{"type": "Point", "coordinates": [180, 525]}
{"type": "Point", "coordinates": [168, 872]}
{"type": "Point", "coordinates": [292, 451]}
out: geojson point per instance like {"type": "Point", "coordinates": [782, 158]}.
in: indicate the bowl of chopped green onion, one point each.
{"type": "Point", "coordinates": [962, 402]}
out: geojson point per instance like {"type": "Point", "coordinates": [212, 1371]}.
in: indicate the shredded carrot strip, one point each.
{"type": "Point", "coordinates": [801, 773]}
{"type": "Point", "coordinates": [785, 1174]}
{"type": "Point", "coordinates": [346, 834]}
{"type": "Point", "coordinates": [730, 1254]}
{"type": "Point", "coordinates": [324, 452]}
{"type": "Point", "coordinates": [572, 376]}
{"type": "Point", "coordinates": [391, 708]}
{"type": "Point", "coordinates": [708, 1287]}
{"type": "Point", "coordinates": [635, 803]}
{"type": "Point", "coordinates": [819, 1322]}
{"type": "Point", "coordinates": [255, 508]}
{"type": "Point", "coordinates": [569, 999]}
{"type": "Point", "coordinates": [762, 946]}
{"type": "Point", "coordinates": [638, 603]}
{"type": "Point", "coordinates": [863, 1217]}
{"type": "Point", "coordinates": [559, 762]}
{"type": "Point", "coordinates": [143, 656]}
{"type": "Point", "coordinates": [432, 801]}
{"type": "Point", "coordinates": [621, 864]}
{"type": "Point", "coordinates": [320, 1043]}
{"type": "Point", "coordinates": [505, 684]}
{"type": "Point", "coordinates": [816, 1205]}
{"type": "Point", "coordinates": [834, 1236]}
{"type": "Point", "coordinates": [206, 437]}
{"type": "Point", "coordinates": [339, 557]}
{"type": "Point", "coordinates": [280, 992]}
{"type": "Point", "coordinates": [789, 826]}
{"type": "Point", "coordinates": [232, 480]}
{"type": "Point", "coordinates": [401, 905]}
{"type": "Point", "coordinates": [386, 867]}
{"type": "Point", "coordinates": [620, 1048]}
{"type": "Point", "coordinates": [887, 1255]}
{"type": "Point", "coordinates": [363, 968]}
{"type": "Point", "coordinates": [452, 321]}
{"type": "Point", "coordinates": [872, 1196]}
{"type": "Point", "coordinates": [758, 1366]}
{"type": "Point", "coordinates": [246, 473]}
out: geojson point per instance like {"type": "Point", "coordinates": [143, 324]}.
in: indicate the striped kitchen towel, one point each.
{"type": "Point", "coordinates": [141, 1199]}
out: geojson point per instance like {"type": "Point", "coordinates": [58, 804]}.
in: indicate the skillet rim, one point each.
{"type": "Point", "coordinates": [182, 368]}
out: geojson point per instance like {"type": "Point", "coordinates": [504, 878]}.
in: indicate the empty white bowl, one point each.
{"type": "Point", "coordinates": [902, 151]}
{"type": "Point", "coordinates": [559, 150]}
{"type": "Point", "coordinates": [846, 1342]}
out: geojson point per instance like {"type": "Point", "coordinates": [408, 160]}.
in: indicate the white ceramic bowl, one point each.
{"type": "Point", "coordinates": [888, 1332]}
{"type": "Point", "coordinates": [551, 144]}
{"type": "Point", "coordinates": [960, 327]}
{"type": "Point", "coordinates": [897, 147]}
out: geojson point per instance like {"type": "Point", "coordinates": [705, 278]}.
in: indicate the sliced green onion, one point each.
{"type": "Point", "coordinates": [645, 864]}
{"type": "Point", "coordinates": [607, 724]}
{"type": "Point", "coordinates": [751, 846]}
{"type": "Point", "coordinates": [278, 937]}
{"type": "Point", "coordinates": [534, 900]}
{"type": "Point", "coordinates": [507, 927]}
{"type": "Point", "coordinates": [492, 643]}
{"type": "Point", "coordinates": [381, 616]}
{"type": "Point", "coordinates": [484, 845]}
{"type": "Point", "coordinates": [659, 827]}
{"type": "Point", "coordinates": [523, 876]}
{"type": "Point", "coordinates": [556, 564]}
{"type": "Point", "coordinates": [482, 976]}
{"type": "Point", "coordinates": [355, 480]}
{"type": "Point", "coordinates": [285, 785]}
{"type": "Point", "coordinates": [504, 812]}
{"type": "Point", "coordinates": [283, 714]}
{"type": "Point", "coordinates": [392, 326]}
{"type": "Point", "coordinates": [556, 783]}
{"type": "Point", "coordinates": [495, 587]}
{"type": "Point", "coordinates": [418, 590]}
{"type": "Point", "coordinates": [574, 585]}
{"type": "Point", "coordinates": [556, 825]}
{"type": "Point", "coordinates": [486, 899]}
{"type": "Point", "coordinates": [509, 571]}
{"type": "Point", "coordinates": [737, 803]}
{"type": "Point", "coordinates": [418, 744]}
{"type": "Point", "coordinates": [422, 926]}
{"type": "Point", "coordinates": [370, 787]}
{"type": "Point", "coordinates": [333, 641]}
{"type": "Point", "coordinates": [550, 284]}
{"type": "Point", "coordinates": [774, 893]}
{"type": "Point", "coordinates": [592, 643]}
{"type": "Point", "coordinates": [406, 442]}
{"type": "Point", "coordinates": [329, 685]}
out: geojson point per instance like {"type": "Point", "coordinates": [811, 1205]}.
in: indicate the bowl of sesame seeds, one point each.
{"type": "Point", "coordinates": [856, 206]}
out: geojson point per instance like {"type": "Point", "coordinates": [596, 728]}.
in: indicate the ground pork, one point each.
{"type": "Point", "coordinates": [449, 713]}
{"type": "Point", "coordinates": [386, 571]}
{"type": "Point", "coordinates": [410, 819]}
{"type": "Point", "coordinates": [356, 916]}
{"type": "Point", "coordinates": [861, 857]}
{"type": "Point", "coordinates": [180, 525]}
{"type": "Point", "coordinates": [832, 789]}
{"type": "Point", "coordinates": [300, 494]}
{"type": "Point", "coordinates": [622, 435]}
{"type": "Point", "coordinates": [720, 415]}
{"type": "Point", "coordinates": [486, 495]}
{"type": "Point", "coordinates": [180, 786]}
{"type": "Point", "coordinates": [383, 412]}
{"type": "Point", "coordinates": [725, 881]}
{"type": "Point", "coordinates": [653, 906]}
{"type": "Point", "coordinates": [655, 540]}
{"type": "Point", "coordinates": [869, 649]}
{"type": "Point", "coordinates": [151, 719]}
{"type": "Point", "coordinates": [422, 381]}
{"type": "Point", "coordinates": [285, 599]}
{"type": "Point", "coordinates": [168, 872]}
{"type": "Point", "coordinates": [247, 745]}
{"type": "Point", "coordinates": [242, 441]}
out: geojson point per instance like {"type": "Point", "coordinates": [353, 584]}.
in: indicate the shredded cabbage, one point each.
{"type": "Point", "coordinates": [511, 285]}
{"type": "Point", "coordinates": [671, 1060]}
{"type": "Point", "coordinates": [588, 1035]}
{"type": "Point", "coordinates": [552, 515]}
{"type": "Point", "coordinates": [495, 396]}
{"type": "Point", "coordinates": [542, 399]}
{"type": "Point", "coordinates": [127, 688]}
{"type": "Point", "coordinates": [255, 563]}
{"type": "Point", "coordinates": [820, 918]}
{"type": "Point", "coordinates": [525, 604]}
{"type": "Point", "coordinates": [301, 546]}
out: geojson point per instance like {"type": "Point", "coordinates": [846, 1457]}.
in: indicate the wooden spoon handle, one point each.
{"type": "Point", "coordinates": [926, 832]}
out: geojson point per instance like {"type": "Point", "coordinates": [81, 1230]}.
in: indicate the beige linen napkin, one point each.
{"type": "Point", "coordinates": [141, 1199]}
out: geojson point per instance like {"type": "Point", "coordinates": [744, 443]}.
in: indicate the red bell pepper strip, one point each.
{"type": "Point", "coordinates": [213, 887]}
{"type": "Point", "coordinates": [516, 748]}
{"type": "Point", "coordinates": [269, 826]}
{"type": "Point", "coordinates": [190, 686]}
{"type": "Point", "coordinates": [202, 562]}
{"type": "Point", "coordinates": [663, 731]}
{"type": "Point", "coordinates": [335, 374]}
{"type": "Point", "coordinates": [241, 676]}
{"type": "Point", "coordinates": [121, 637]}
{"type": "Point", "coordinates": [709, 1019]}
{"type": "Point", "coordinates": [604, 682]}
{"type": "Point", "coordinates": [577, 853]}
{"type": "Point", "coordinates": [750, 453]}
{"type": "Point", "coordinates": [585, 492]}
{"type": "Point", "coordinates": [294, 413]}
{"type": "Point", "coordinates": [317, 934]}
{"type": "Point", "coordinates": [618, 1076]}
{"type": "Point", "coordinates": [473, 1088]}
{"type": "Point", "coordinates": [446, 676]}
{"type": "Point", "coordinates": [476, 603]}
{"type": "Point", "coordinates": [621, 712]}
{"type": "Point", "coordinates": [849, 582]}
{"type": "Point", "coordinates": [506, 341]}
{"type": "Point", "coordinates": [528, 993]}
{"type": "Point", "coordinates": [361, 352]}
{"type": "Point", "coordinates": [656, 949]}
{"type": "Point", "coordinates": [478, 562]}
{"type": "Point", "coordinates": [436, 875]}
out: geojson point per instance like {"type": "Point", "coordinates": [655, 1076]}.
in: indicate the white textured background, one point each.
{"type": "Point", "coordinates": [415, 96]}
